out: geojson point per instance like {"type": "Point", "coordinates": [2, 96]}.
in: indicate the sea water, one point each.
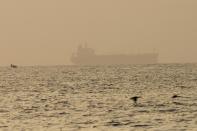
{"type": "Point", "coordinates": [97, 98]}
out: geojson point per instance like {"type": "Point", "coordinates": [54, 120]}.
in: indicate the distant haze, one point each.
{"type": "Point", "coordinates": [47, 32]}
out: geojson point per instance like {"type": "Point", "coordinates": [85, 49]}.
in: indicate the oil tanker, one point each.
{"type": "Point", "coordinates": [87, 56]}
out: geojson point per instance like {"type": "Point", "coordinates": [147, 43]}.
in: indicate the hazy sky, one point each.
{"type": "Point", "coordinates": [42, 32]}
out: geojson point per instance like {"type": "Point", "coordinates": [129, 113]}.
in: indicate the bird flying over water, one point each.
{"type": "Point", "coordinates": [135, 99]}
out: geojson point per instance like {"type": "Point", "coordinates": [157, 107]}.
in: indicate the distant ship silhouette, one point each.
{"type": "Point", "coordinates": [13, 66]}
{"type": "Point", "coordinates": [87, 56]}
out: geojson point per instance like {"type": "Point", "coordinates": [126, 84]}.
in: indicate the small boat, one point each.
{"type": "Point", "coordinates": [13, 66]}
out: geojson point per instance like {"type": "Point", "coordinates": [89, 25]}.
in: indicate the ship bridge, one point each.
{"type": "Point", "coordinates": [85, 51]}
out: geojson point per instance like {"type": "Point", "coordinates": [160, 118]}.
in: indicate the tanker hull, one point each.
{"type": "Point", "coordinates": [87, 56]}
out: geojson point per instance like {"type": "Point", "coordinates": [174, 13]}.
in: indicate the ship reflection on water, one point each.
{"type": "Point", "coordinates": [87, 56]}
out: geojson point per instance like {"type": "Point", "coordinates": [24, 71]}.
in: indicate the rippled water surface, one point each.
{"type": "Point", "coordinates": [74, 98]}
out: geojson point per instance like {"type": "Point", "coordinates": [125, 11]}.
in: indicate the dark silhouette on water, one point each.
{"type": "Point", "coordinates": [175, 96]}
{"type": "Point", "coordinates": [135, 99]}
{"type": "Point", "coordinates": [13, 66]}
